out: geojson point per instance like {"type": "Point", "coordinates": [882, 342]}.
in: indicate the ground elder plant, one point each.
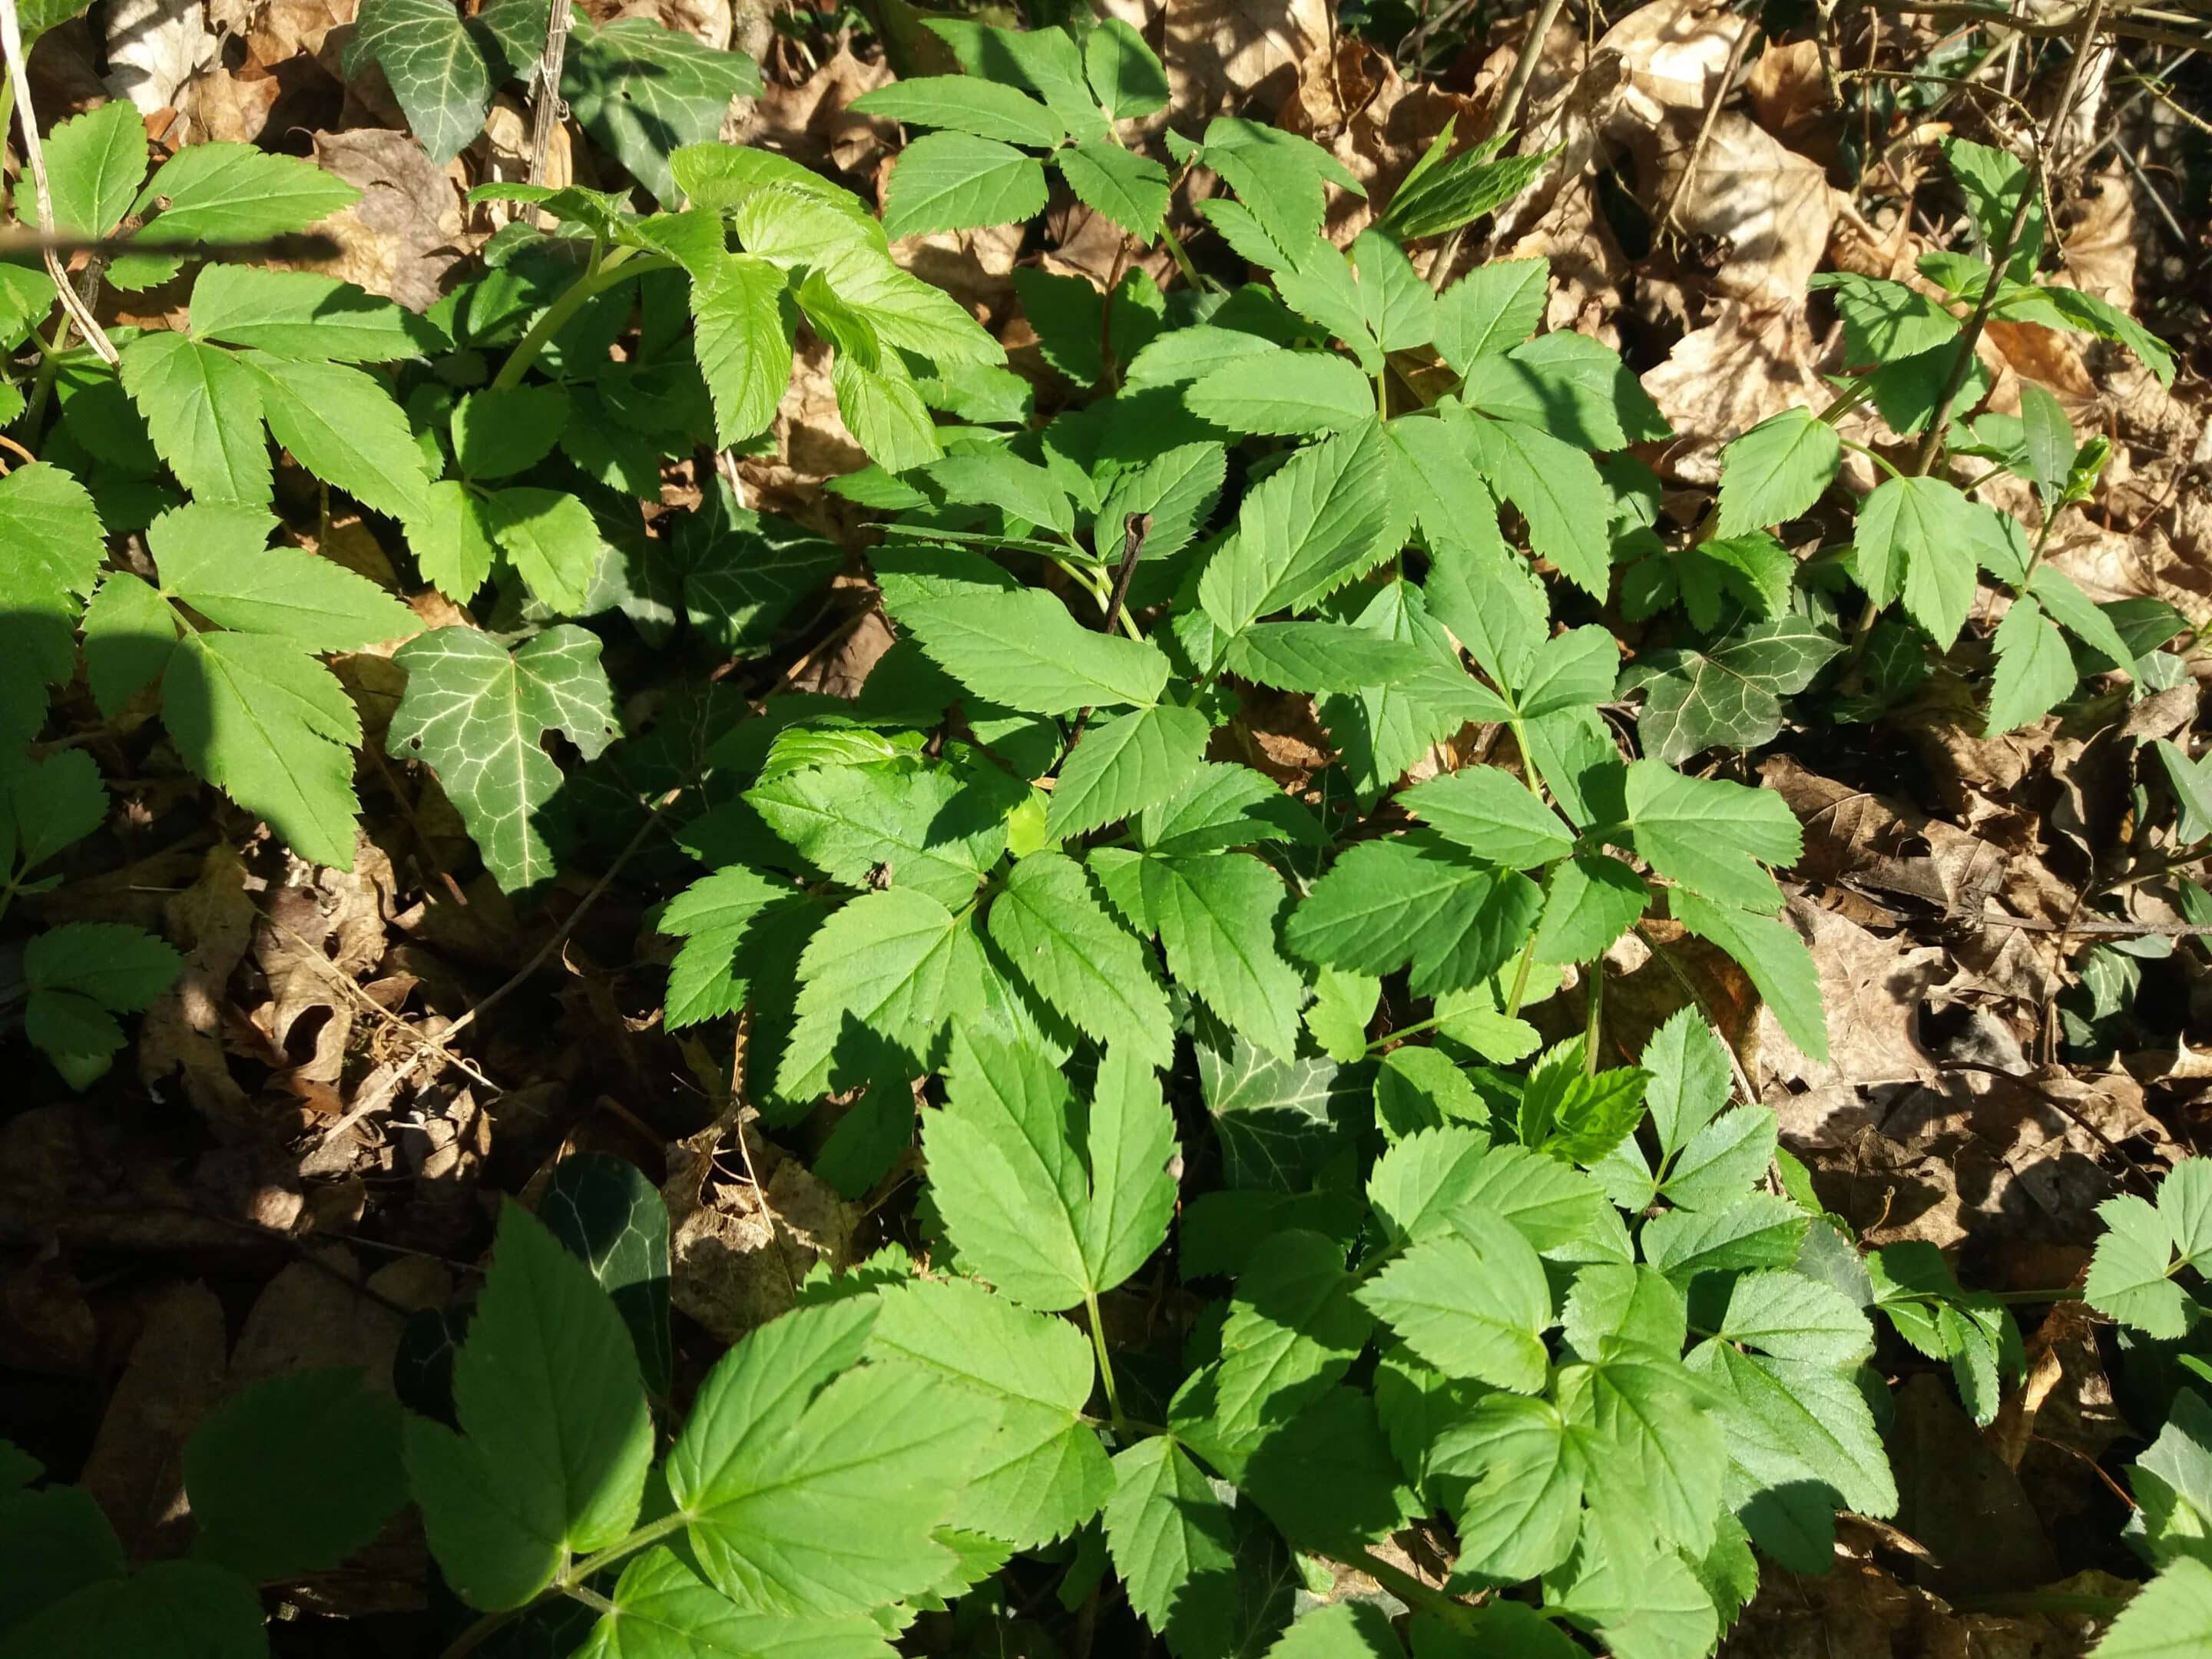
{"type": "Point", "coordinates": [1302, 1261]}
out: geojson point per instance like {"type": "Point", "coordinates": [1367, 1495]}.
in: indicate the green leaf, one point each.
{"type": "Point", "coordinates": [1384, 904]}
{"type": "Point", "coordinates": [1772, 953]}
{"type": "Point", "coordinates": [501, 430]}
{"type": "Point", "coordinates": [1021, 490]}
{"type": "Point", "coordinates": [886, 824]}
{"type": "Point", "coordinates": [343, 426]}
{"type": "Point", "coordinates": [1124, 74]}
{"type": "Point", "coordinates": [95, 163]}
{"type": "Point", "coordinates": [120, 967]}
{"type": "Point", "coordinates": [273, 729]}
{"type": "Point", "coordinates": [897, 961]}
{"type": "Point", "coordinates": [966, 103]}
{"type": "Point", "coordinates": [1044, 1474]}
{"type": "Point", "coordinates": [1884, 321]}
{"type": "Point", "coordinates": [2131, 1275]}
{"type": "Point", "coordinates": [1327, 1478]}
{"type": "Point", "coordinates": [441, 66]}
{"type": "Point", "coordinates": [1125, 765]}
{"type": "Point", "coordinates": [51, 550]}
{"type": "Point", "coordinates": [1290, 392]}
{"type": "Point", "coordinates": [1491, 310]}
{"type": "Point", "coordinates": [1129, 189]}
{"type": "Point", "coordinates": [2170, 1618]}
{"type": "Point", "coordinates": [478, 715]}
{"type": "Point", "coordinates": [2034, 669]}
{"type": "Point", "coordinates": [48, 803]}
{"type": "Point", "coordinates": [1293, 1328]}
{"type": "Point", "coordinates": [1791, 1317]}
{"type": "Point", "coordinates": [293, 1474]}
{"type": "Point", "coordinates": [1021, 648]}
{"type": "Point", "coordinates": [661, 1611]}
{"type": "Point", "coordinates": [1078, 958]}
{"type": "Point", "coordinates": [882, 409]}
{"type": "Point", "coordinates": [1223, 806]}
{"type": "Point", "coordinates": [1217, 920]}
{"type": "Point", "coordinates": [214, 556]}
{"type": "Point", "coordinates": [303, 318]}
{"type": "Point", "coordinates": [224, 192]}
{"type": "Point", "coordinates": [1174, 1546]}
{"type": "Point", "coordinates": [1512, 1480]}
{"type": "Point", "coordinates": [1711, 835]}
{"type": "Point", "coordinates": [1651, 1448]}
{"type": "Point", "coordinates": [734, 575]}
{"type": "Point", "coordinates": [644, 91]}
{"type": "Point", "coordinates": [2192, 789]}
{"type": "Point", "coordinates": [1994, 182]}
{"type": "Point", "coordinates": [1422, 1186]}
{"type": "Point", "coordinates": [153, 1612]}
{"type": "Point", "coordinates": [1788, 1420]}
{"type": "Point", "coordinates": [2048, 438]}
{"type": "Point", "coordinates": [1760, 1230]}
{"type": "Point", "coordinates": [742, 341]}
{"type": "Point", "coordinates": [1558, 491]}
{"type": "Point", "coordinates": [1593, 900]}
{"type": "Point", "coordinates": [1316, 523]}
{"type": "Point", "coordinates": [58, 1538]}
{"type": "Point", "coordinates": [1048, 1212]}
{"type": "Point", "coordinates": [2072, 609]}
{"type": "Point", "coordinates": [1730, 695]}
{"type": "Point", "coordinates": [550, 539]}
{"type": "Point", "coordinates": [719, 918]}
{"type": "Point", "coordinates": [1493, 815]}
{"type": "Point", "coordinates": [1570, 385]}
{"type": "Point", "coordinates": [957, 181]}
{"type": "Point", "coordinates": [1322, 656]}
{"type": "Point", "coordinates": [1473, 1303]}
{"type": "Point", "coordinates": [1776, 470]}
{"type": "Point", "coordinates": [814, 1492]}
{"type": "Point", "coordinates": [203, 407]}
{"type": "Point", "coordinates": [1343, 1630]}
{"type": "Point", "coordinates": [555, 1437]}
{"type": "Point", "coordinates": [1916, 536]}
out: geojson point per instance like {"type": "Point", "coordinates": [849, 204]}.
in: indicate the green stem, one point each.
{"type": "Point", "coordinates": [1528, 953]}
{"type": "Point", "coordinates": [1403, 1032]}
{"type": "Point", "coordinates": [2015, 1298]}
{"type": "Point", "coordinates": [1879, 460]}
{"type": "Point", "coordinates": [2041, 541]}
{"type": "Point", "coordinates": [570, 1581]}
{"type": "Point", "coordinates": [2027, 1602]}
{"type": "Point", "coordinates": [1413, 1593]}
{"type": "Point", "coordinates": [1173, 243]}
{"type": "Point", "coordinates": [1596, 1015]}
{"type": "Point", "coordinates": [906, 534]}
{"type": "Point", "coordinates": [1105, 1362]}
{"type": "Point", "coordinates": [602, 273]}
{"type": "Point", "coordinates": [42, 385]}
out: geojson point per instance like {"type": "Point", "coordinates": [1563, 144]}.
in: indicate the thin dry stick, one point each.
{"type": "Point", "coordinates": [1705, 129]}
{"type": "Point", "coordinates": [1524, 70]}
{"type": "Point", "coordinates": [549, 109]}
{"type": "Point", "coordinates": [34, 154]}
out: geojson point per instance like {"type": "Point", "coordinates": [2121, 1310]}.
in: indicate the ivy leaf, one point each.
{"type": "Point", "coordinates": [535, 1475]}
{"type": "Point", "coordinates": [733, 575]}
{"type": "Point", "coordinates": [611, 1218]}
{"type": "Point", "coordinates": [2034, 669]}
{"type": "Point", "coordinates": [644, 91]}
{"type": "Point", "coordinates": [478, 715]}
{"type": "Point", "coordinates": [1473, 1303]}
{"type": "Point", "coordinates": [1126, 765]}
{"type": "Point", "coordinates": [812, 1492]}
{"type": "Point", "coordinates": [1730, 695]}
{"type": "Point", "coordinates": [1080, 961]}
{"type": "Point", "coordinates": [957, 181]}
{"type": "Point", "coordinates": [1045, 1472]}
{"type": "Point", "coordinates": [1777, 469]}
{"type": "Point", "coordinates": [441, 67]}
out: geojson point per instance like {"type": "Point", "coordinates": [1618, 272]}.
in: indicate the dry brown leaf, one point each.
{"type": "Point", "coordinates": [738, 1252]}
{"type": "Point", "coordinates": [1788, 96]}
{"type": "Point", "coordinates": [1747, 363]}
{"type": "Point", "coordinates": [155, 48]}
{"type": "Point", "coordinates": [211, 922]}
{"type": "Point", "coordinates": [1226, 56]}
{"type": "Point", "coordinates": [174, 1378]}
{"type": "Point", "coordinates": [406, 232]}
{"type": "Point", "coordinates": [320, 927]}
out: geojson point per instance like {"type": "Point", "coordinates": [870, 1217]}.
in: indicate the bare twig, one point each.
{"type": "Point", "coordinates": [547, 107]}
{"type": "Point", "coordinates": [34, 155]}
{"type": "Point", "coordinates": [1743, 38]}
